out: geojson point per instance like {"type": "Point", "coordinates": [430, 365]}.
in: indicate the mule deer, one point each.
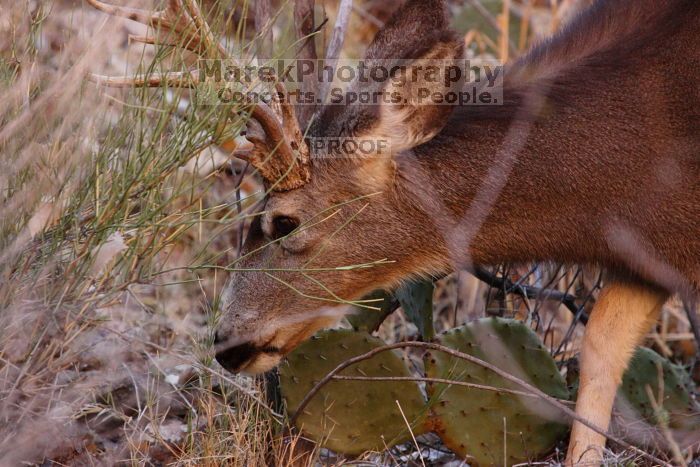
{"type": "Point", "coordinates": [593, 158]}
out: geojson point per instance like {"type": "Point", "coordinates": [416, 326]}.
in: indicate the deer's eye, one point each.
{"type": "Point", "coordinates": [283, 226]}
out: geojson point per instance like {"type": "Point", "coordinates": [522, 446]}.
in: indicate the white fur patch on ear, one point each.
{"type": "Point", "coordinates": [400, 130]}
{"type": "Point", "coordinates": [418, 109]}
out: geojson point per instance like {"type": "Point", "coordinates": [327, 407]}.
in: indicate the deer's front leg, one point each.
{"type": "Point", "coordinates": [621, 317]}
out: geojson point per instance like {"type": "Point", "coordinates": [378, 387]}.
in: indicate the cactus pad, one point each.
{"type": "Point", "coordinates": [352, 417]}
{"type": "Point", "coordinates": [483, 425]}
{"type": "Point", "coordinates": [636, 418]}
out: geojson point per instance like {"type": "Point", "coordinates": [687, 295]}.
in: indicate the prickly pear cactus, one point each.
{"type": "Point", "coordinates": [369, 320]}
{"type": "Point", "coordinates": [416, 299]}
{"type": "Point", "coordinates": [352, 417]}
{"type": "Point", "coordinates": [638, 420]}
{"type": "Point", "coordinates": [484, 425]}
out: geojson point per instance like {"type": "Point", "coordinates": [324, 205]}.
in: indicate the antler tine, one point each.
{"type": "Point", "coordinates": [270, 153]}
{"type": "Point", "coordinates": [281, 154]}
{"type": "Point", "coordinates": [192, 47]}
{"type": "Point", "coordinates": [134, 14]}
{"type": "Point", "coordinates": [178, 18]}
{"type": "Point", "coordinates": [288, 167]}
{"type": "Point", "coordinates": [290, 121]}
{"type": "Point", "coordinates": [203, 28]}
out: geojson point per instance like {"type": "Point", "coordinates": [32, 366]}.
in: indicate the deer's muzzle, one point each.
{"type": "Point", "coordinates": [238, 358]}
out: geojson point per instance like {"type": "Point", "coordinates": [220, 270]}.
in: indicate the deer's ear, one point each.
{"type": "Point", "coordinates": [416, 103]}
{"type": "Point", "coordinates": [404, 35]}
{"type": "Point", "coordinates": [419, 61]}
{"type": "Point", "coordinates": [424, 58]}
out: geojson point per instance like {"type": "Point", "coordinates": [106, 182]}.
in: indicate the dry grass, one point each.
{"type": "Point", "coordinates": [110, 203]}
{"type": "Point", "coordinates": [109, 199]}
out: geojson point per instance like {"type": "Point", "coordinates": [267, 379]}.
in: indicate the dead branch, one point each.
{"type": "Point", "coordinates": [439, 381]}
{"type": "Point", "coordinates": [336, 43]}
{"type": "Point", "coordinates": [528, 291]}
{"type": "Point", "coordinates": [263, 25]}
{"type": "Point", "coordinates": [306, 34]}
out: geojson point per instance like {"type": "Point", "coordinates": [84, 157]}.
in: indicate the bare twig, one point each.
{"type": "Point", "coordinates": [572, 326]}
{"type": "Point", "coordinates": [658, 408]}
{"type": "Point", "coordinates": [264, 27]}
{"type": "Point", "coordinates": [306, 34]}
{"type": "Point", "coordinates": [421, 379]}
{"type": "Point", "coordinates": [336, 43]}
{"type": "Point", "coordinates": [304, 27]}
{"type": "Point", "coordinates": [504, 37]}
{"type": "Point", "coordinates": [528, 291]}
{"type": "Point", "coordinates": [408, 425]}
{"type": "Point", "coordinates": [367, 16]}
{"type": "Point", "coordinates": [493, 22]}
{"type": "Point", "coordinates": [486, 14]}
{"type": "Point", "coordinates": [694, 321]}
{"type": "Point", "coordinates": [173, 79]}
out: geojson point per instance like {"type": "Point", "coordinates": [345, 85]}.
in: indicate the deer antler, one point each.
{"type": "Point", "coordinates": [278, 149]}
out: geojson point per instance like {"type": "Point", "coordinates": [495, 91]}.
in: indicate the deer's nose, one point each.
{"type": "Point", "coordinates": [234, 357]}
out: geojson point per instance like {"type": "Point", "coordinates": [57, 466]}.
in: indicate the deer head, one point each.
{"type": "Point", "coordinates": [342, 228]}
{"type": "Point", "coordinates": [335, 223]}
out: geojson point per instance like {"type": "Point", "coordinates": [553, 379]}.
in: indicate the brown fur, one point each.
{"type": "Point", "coordinates": [594, 158]}
{"type": "Point", "coordinates": [613, 147]}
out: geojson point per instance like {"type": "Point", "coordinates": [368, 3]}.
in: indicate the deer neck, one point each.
{"type": "Point", "coordinates": [591, 159]}
{"type": "Point", "coordinates": [508, 183]}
